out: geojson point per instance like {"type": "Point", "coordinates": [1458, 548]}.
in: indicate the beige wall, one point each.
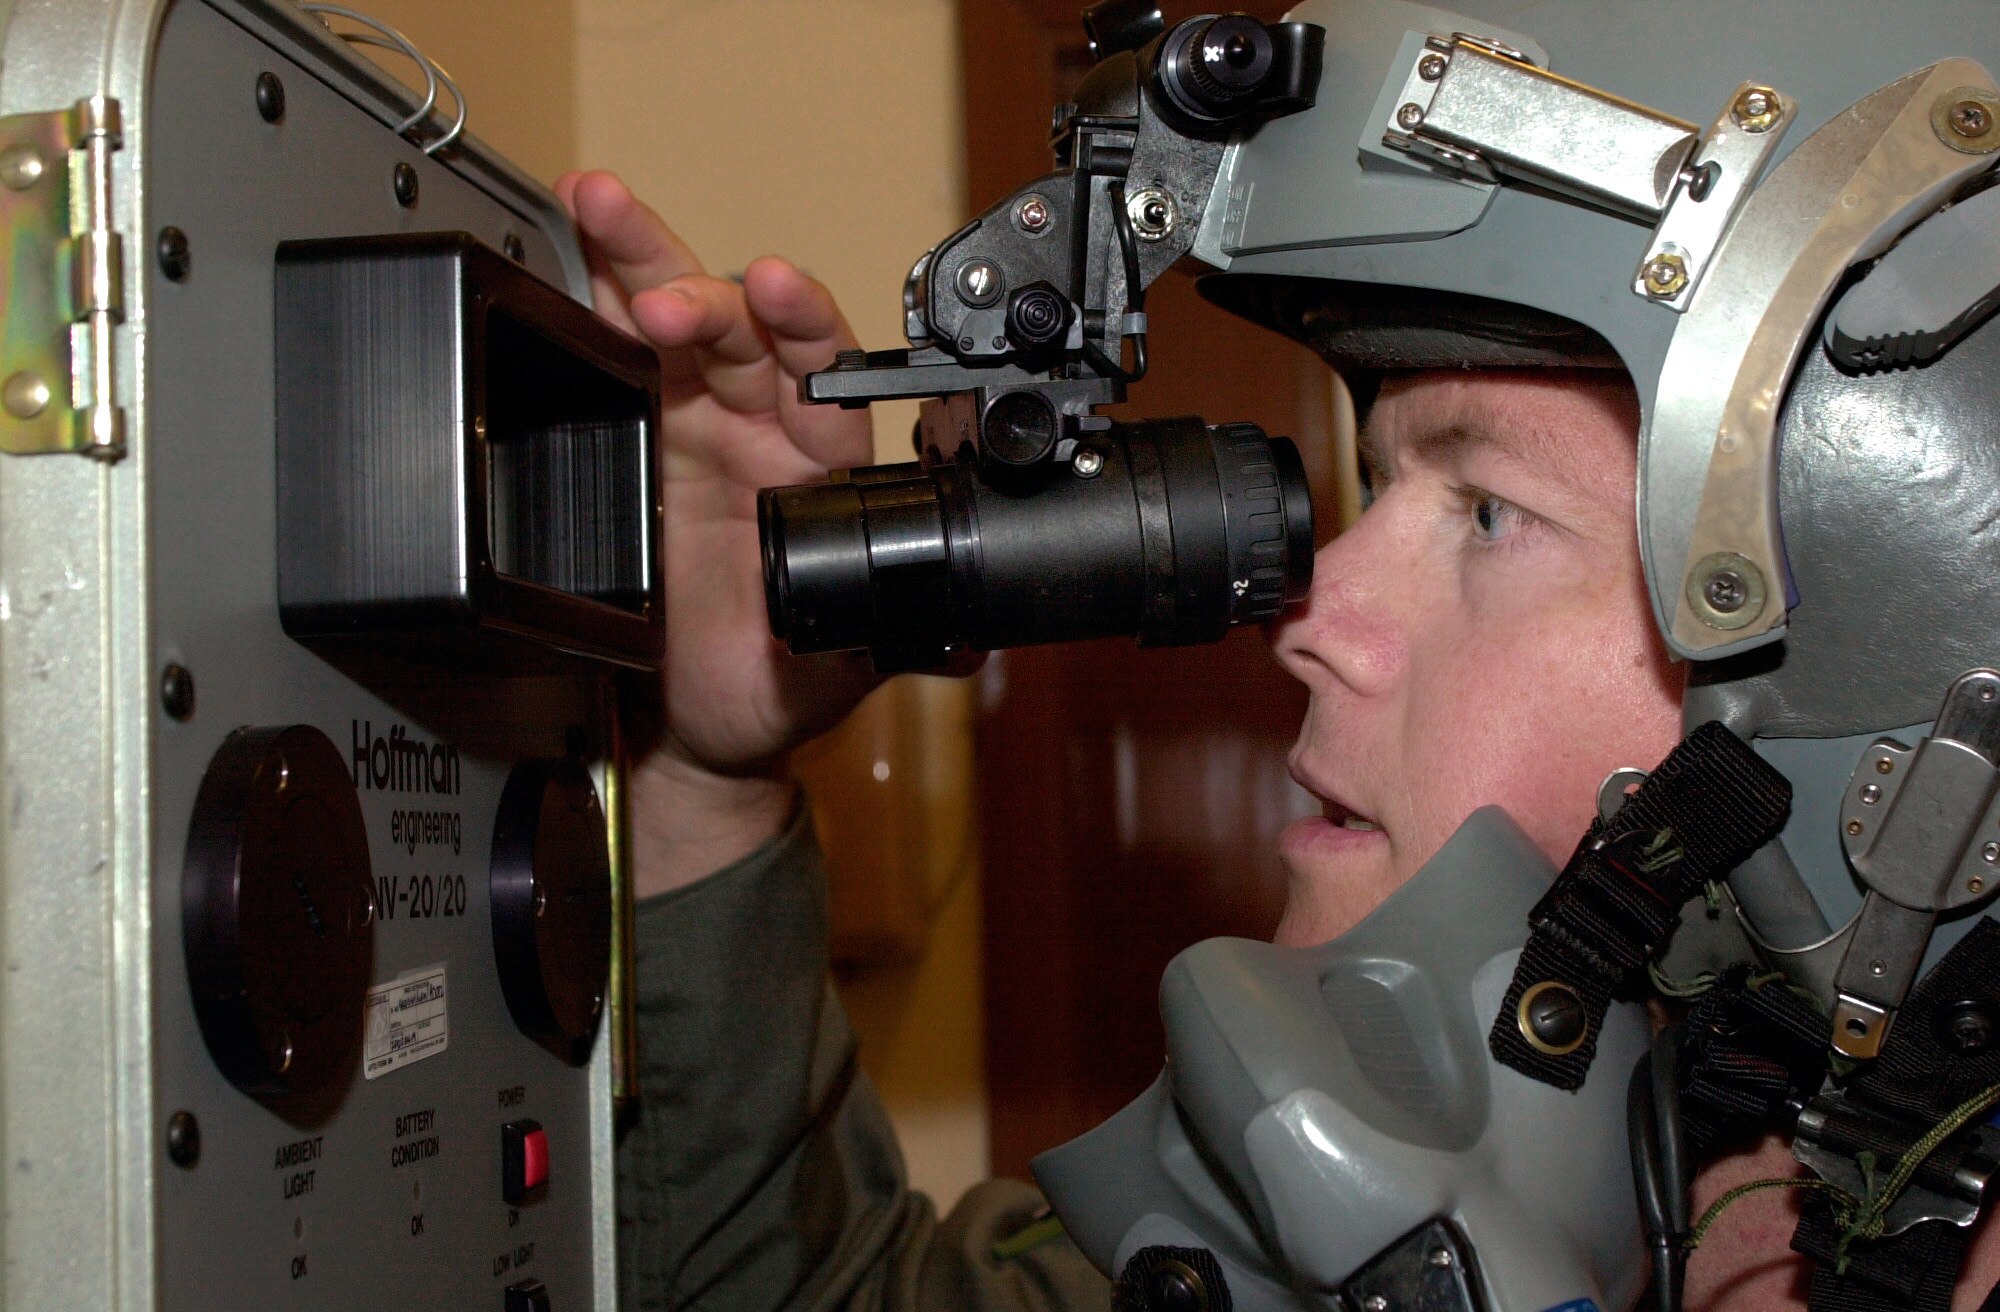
{"type": "Point", "coordinates": [823, 130]}
{"type": "Point", "coordinates": [828, 131]}
{"type": "Point", "coordinates": [515, 61]}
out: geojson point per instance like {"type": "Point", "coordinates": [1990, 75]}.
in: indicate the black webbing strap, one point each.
{"type": "Point", "coordinates": [1930, 1065]}
{"type": "Point", "coordinates": [1911, 1272]}
{"type": "Point", "coordinates": [1710, 804]}
{"type": "Point", "coordinates": [1751, 1044]}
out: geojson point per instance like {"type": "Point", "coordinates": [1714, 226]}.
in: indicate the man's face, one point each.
{"type": "Point", "coordinates": [1481, 635]}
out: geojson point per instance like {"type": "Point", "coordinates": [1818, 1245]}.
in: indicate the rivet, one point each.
{"type": "Point", "coordinates": [1853, 827]}
{"type": "Point", "coordinates": [1410, 117]}
{"type": "Point", "coordinates": [1440, 1258]}
{"type": "Point", "coordinates": [1878, 967]}
{"type": "Point", "coordinates": [404, 182]}
{"type": "Point", "coordinates": [1088, 462]}
{"type": "Point", "coordinates": [21, 167]}
{"type": "Point", "coordinates": [1375, 1303]}
{"type": "Point", "coordinates": [1990, 854]}
{"type": "Point", "coordinates": [1871, 794]}
{"type": "Point", "coordinates": [512, 245]}
{"type": "Point", "coordinates": [1975, 885]}
{"type": "Point", "coordinates": [177, 691]}
{"type": "Point", "coordinates": [183, 1139]}
{"type": "Point", "coordinates": [174, 255]}
{"type": "Point", "coordinates": [1885, 765]}
{"type": "Point", "coordinates": [24, 394]}
{"type": "Point", "coordinates": [270, 97]}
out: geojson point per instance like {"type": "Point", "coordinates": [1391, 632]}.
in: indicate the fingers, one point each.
{"type": "Point", "coordinates": [637, 246]}
{"type": "Point", "coordinates": [806, 328]}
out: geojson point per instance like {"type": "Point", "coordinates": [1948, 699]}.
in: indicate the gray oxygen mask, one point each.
{"type": "Point", "coordinates": [1330, 1129]}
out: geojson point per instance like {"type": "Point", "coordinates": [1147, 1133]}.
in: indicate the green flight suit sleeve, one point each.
{"type": "Point", "coordinates": [762, 1172]}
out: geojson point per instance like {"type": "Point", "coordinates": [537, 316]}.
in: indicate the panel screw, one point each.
{"type": "Point", "coordinates": [21, 167]}
{"type": "Point", "coordinates": [1756, 109]}
{"type": "Point", "coordinates": [516, 250]}
{"type": "Point", "coordinates": [979, 282]}
{"type": "Point", "coordinates": [405, 185]}
{"type": "Point", "coordinates": [1854, 828]}
{"type": "Point", "coordinates": [183, 1139]}
{"type": "Point", "coordinates": [1885, 765]}
{"type": "Point", "coordinates": [1439, 1258]}
{"type": "Point", "coordinates": [177, 691]}
{"type": "Point", "coordinates": [24, 394]}
{"type": "Point", "coordinates": [1664, 275]}
{"type": "Point", "coordinates": [1552, 1018]}
{"type": "Point", "coordinates": [1968, 120]}
{"type": "Point", "coordinates": [1033, 215]}
{"type": "Point", "coordinates": [1878, 967]}
{"type": "Point", "coordinates": [1725, 590]}
{"type": "Point", "coordinates": [1431, 67]}
{"type": "Point", "coordinates": [1965, 1028]}
{"type": "Point", "coordinates": [1871, 794]}
{"type": "Point", "coordinates": [270, 97]}
{"type": "Point", "coordinates": [175, 258]}
{"type": "Point", "coordinates": [1990, 854]}
{"type": "Point", "coordinates": [1410, 117]}
{"type": "Point", "coordinates": [1375, 1303]}
{"type": "Point", "coordinates": [1088, 462]}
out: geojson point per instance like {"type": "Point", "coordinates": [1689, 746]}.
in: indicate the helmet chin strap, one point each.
{"type": "Point", "coordinates": [1331, 1120]}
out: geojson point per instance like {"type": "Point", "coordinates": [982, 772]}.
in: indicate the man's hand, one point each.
{"type": "Point", "coordinates": [734, 701]}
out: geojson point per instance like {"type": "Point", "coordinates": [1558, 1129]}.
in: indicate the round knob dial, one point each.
{"type": "Point", "coordinates": [550, 889]}
{"type": "Point", "coordinates": [278, 911]}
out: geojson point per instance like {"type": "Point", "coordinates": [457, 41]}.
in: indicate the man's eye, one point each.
{"type": "Point", "coordinates": [1493, 518]}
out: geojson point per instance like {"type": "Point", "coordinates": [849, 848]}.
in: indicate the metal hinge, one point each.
{"type": "Point", "coordinates": [63, 281]}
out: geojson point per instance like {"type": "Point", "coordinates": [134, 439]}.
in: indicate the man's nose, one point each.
{"type": "Point", "coordinates": [1347, 631]}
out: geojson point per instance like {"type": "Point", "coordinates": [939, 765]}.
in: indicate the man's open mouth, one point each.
{"type": "Point", "coordinates": [1346, 817]}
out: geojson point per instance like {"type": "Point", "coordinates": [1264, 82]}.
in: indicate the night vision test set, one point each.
{"type": "Point", "coordinates": [331, 515]}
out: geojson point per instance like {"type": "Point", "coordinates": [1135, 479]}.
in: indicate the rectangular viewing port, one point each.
{"type": "Point", "coordinates": [465, 465]}
{"type": "Point", "coordinates": [569, 449]}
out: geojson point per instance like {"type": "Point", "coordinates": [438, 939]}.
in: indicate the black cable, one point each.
{"type": "Point", "coordinates": [1135, 291]}
{"type": "Point", "coordinates": [1669, 1134]}
{"type": "Point", "coordinates": [1654, 1189]}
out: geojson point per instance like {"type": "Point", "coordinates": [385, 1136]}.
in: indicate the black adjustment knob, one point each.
{"type": "Point", "coordinates": [1037, 315]}
{"type": "Point", "coordinates": [1212, 67]}
{"type": "Point", "coordinates": [550, 887]}
{"type": "Point", "coordinates": [278, 912]}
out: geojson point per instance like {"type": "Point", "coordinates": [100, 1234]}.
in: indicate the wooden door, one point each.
{"type": "Point", "coordinates": [1129, 801]}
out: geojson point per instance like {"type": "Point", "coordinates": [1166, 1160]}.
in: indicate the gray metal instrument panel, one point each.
{"type": "Point", "coordinates": [392, 1197]}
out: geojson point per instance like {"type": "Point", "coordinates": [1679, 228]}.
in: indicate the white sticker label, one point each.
{"type": "Point", "coordinates": [406, 1021]}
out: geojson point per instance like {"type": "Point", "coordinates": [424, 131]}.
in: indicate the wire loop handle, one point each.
{"type": "Point", "coordinates": [385, 37]}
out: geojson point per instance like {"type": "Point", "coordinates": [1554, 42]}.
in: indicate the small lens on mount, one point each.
{"type": "Point", "coordinates": [1171, 532]}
